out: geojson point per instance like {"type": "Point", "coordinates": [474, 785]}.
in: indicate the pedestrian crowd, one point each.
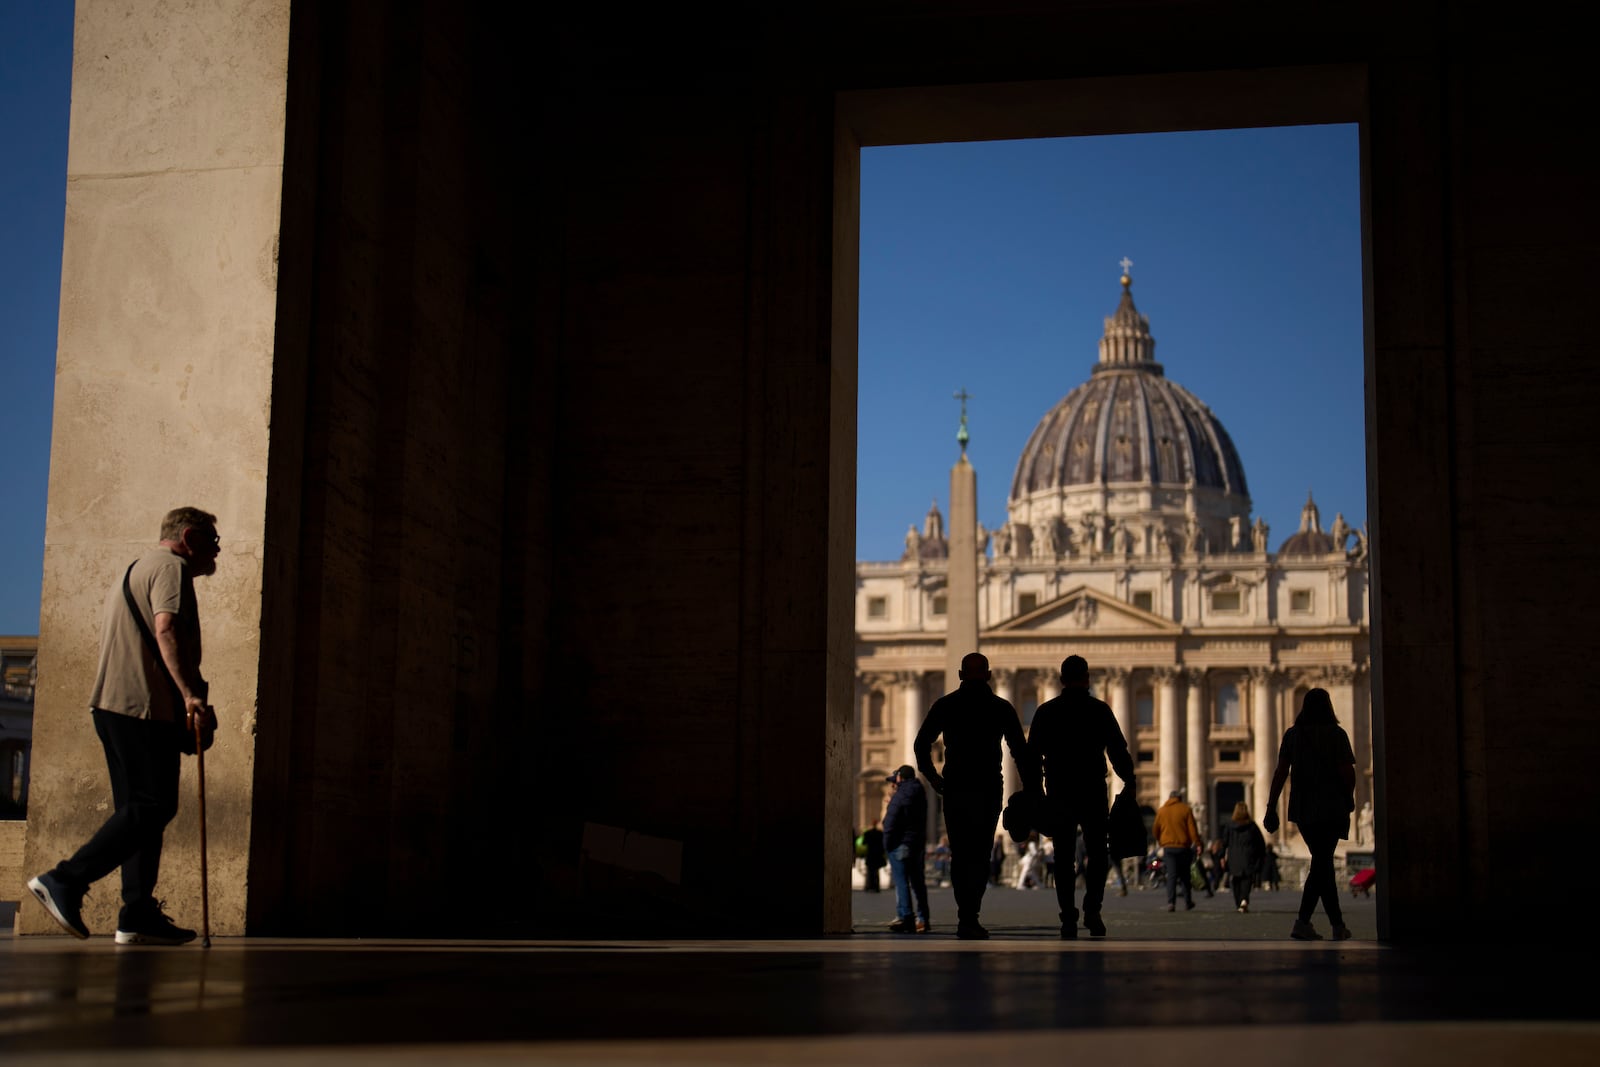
{"type": "Point", "coordinates": [1062, 766]}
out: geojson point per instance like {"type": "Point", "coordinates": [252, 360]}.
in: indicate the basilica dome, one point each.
{"type": "Point", "coordinates": [1131, 446]}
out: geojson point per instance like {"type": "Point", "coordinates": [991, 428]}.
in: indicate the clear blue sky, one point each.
{"type": "Point", "coordinates": [986, 266]}
{"type": "Point", "coordinates": [993, 266]}
{"type": "Point", "coordinates": [35, 87]}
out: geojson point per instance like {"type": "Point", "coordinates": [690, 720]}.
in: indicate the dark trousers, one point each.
{"type": "Point", "coordinates": [1241, 884]}
{"type": "Point", "coordinates": [1177, 862]}
{"type": "Point", "coordinates": [969, 818]}
{"type": "Point", "coordinates": [142, 757]}
{"type": "Point", "coordinates": [1320, 881]}
{"type": "Point", "coordinates": [1096, 861]}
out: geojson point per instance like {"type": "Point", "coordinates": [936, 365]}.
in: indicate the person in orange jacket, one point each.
{"type": "Point", "coordinates": [1179, 839]}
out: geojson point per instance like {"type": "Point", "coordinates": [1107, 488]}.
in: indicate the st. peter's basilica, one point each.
{"type": "Point", "coordinates": [1129, 540]}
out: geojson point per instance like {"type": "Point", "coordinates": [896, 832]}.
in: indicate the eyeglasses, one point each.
{"type": "Point", "coordinates": [204, 538]}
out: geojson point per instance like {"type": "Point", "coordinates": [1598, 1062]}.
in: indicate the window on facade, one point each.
{"type": "Point", "coordinates": [1228, 710]}
{"type": "Point", "coordinates": [1300, 601]}
{"type": "Point", "coordinates": [877, 607]}
{"type": "Point", "coordinates": [875, 711]}
{"type": "Point", "coordinates": [1144, 600]}
{"type": "Point", "coordinates": [1026, 602]}
{"type": "Point", "coordinates": [1144, 708]}
{"type": "Point", "coordinates": [1146, 756]}
{"type": "Point", "coordinates": [1228, 755]}
{"type": "Point", "coordinates": [1225, 600]}
{"type": "Point", "coordinates": [940, 604]}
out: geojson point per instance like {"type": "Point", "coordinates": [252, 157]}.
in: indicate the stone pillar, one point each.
{"type": "Point", "coordinates": [961, 635]}
{"type": "Point", "coordinates": [1118, 686]}
{"type": "Point", "coordinates": [1005, 686]}
{"type": "Point", "coordinates": [1170, 730]}
{"type": "Point", "coordinates": [1197, 734]}
{"type": "Point", "coordinates": [163, 387]}
{"type": "Point", "coordinates": [911, 714]}
{"type": "Point", "coordinates": [1264, 726]}
{"type": "Point", "coordinates": [1052, 682]}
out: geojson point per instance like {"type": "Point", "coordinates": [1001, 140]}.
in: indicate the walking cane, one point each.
{"type": "Point", "coordinates": [205, 891]}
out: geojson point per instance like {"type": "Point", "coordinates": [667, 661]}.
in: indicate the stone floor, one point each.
{"type": "Point", "coordinates": [1212, 978]}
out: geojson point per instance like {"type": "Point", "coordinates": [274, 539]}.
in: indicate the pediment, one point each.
{"type": "Point", "coordinates": [1081, 609]}
{"type": "Point", "coordinates": [1228, 580]}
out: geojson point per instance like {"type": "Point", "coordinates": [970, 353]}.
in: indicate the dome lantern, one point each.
{"type": "Point", "coordinates": [1131, 445]}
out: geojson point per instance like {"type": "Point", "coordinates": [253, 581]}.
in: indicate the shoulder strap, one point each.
{"type": "Point", "coordinates": [144, 632]}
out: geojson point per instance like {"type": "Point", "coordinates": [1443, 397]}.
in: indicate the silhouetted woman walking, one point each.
{"type": "Point", "coordinates": [1318, 762]}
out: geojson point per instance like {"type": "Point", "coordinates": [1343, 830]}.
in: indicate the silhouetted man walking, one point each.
{"type": "Point", "coordinates": [972, 721]}
{"type": "Point", "coordinates": [1072, 737]}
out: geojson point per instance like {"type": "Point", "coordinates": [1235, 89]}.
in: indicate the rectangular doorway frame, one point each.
{"type": "Point", "coordinates": [1159, 103]}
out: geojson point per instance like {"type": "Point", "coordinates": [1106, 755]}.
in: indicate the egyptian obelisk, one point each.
{"type": "Point", "coordinates": [961, 609]}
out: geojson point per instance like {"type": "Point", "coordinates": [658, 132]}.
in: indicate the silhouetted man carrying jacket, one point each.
{"type": "Point", "coordinates": [1072, 737]}
{"type": "Point", "coordinates": [972, 721]}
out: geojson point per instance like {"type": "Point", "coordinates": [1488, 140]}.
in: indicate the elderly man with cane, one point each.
{"type": "Point", "coordinates": [148, 706]}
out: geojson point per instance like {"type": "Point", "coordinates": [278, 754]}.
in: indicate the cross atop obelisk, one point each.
{"type": "Point", "coordinates": [962, 437]}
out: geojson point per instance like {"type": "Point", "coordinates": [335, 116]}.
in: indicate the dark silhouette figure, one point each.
{"type": "Point", "coordinates": [148, 694]}
{"type": "Point", "coordinates": [872, 839]}
{"type": "Point", "coordinates": [905, 833]}
{"type": "Point", "coordinates": [1244, 850]}
{"type": "Point", "coordinates": [972, 720]}
{"type": "Point", "coordinates": [1317, 761]}
{"type": "Point", "coordinates": [1269, 875]}
{"type": "Point", "coordinates": [1072, 737]}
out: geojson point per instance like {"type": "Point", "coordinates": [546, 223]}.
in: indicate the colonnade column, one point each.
{"type": "Point", "coordinates": [1118, 682]}
{"type": "Point", "coordinates": [1196, 734]}
{"type": "Point", "coordinates": [911, 713]}
{"type": "Point", "coordinates": [1170, 725]}
{"type": "Point", "coordinates": [1052, 682]}
{"type": "Point", "coordinates": [1005, 685]}
{"type": "Point", "coordinates": [1264, 726]}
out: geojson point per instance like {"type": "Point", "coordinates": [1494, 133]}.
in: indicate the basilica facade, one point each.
{"type": "Point", "coordinates": [1129, 541]}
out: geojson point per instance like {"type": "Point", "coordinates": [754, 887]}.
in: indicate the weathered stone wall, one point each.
{"type": "Point", "coordinates": [164, 371]}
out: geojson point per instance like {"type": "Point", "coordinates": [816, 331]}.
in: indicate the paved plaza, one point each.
{"type": "Point", "coordinates": [1205, 979]}
{"type": "Point", "coordinates": [1140, 916]}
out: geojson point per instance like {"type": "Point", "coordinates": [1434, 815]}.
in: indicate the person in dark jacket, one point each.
{"type": "Point", "coordinates": [1243, 852]}
{"type": "Point", "coordinates": [905, 829]}
{"type": "Point", "coordinates": [1317, 761]}
{"type": "Point", "coordinates": [872, 839]}
{"type": "Point", "coordinates": [972, 720]}
{"type": "Point", "coordinates": [1072, 737]}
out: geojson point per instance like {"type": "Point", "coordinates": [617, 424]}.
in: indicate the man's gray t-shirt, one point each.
{"type": "Point", "coordinates": [131, 680]}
